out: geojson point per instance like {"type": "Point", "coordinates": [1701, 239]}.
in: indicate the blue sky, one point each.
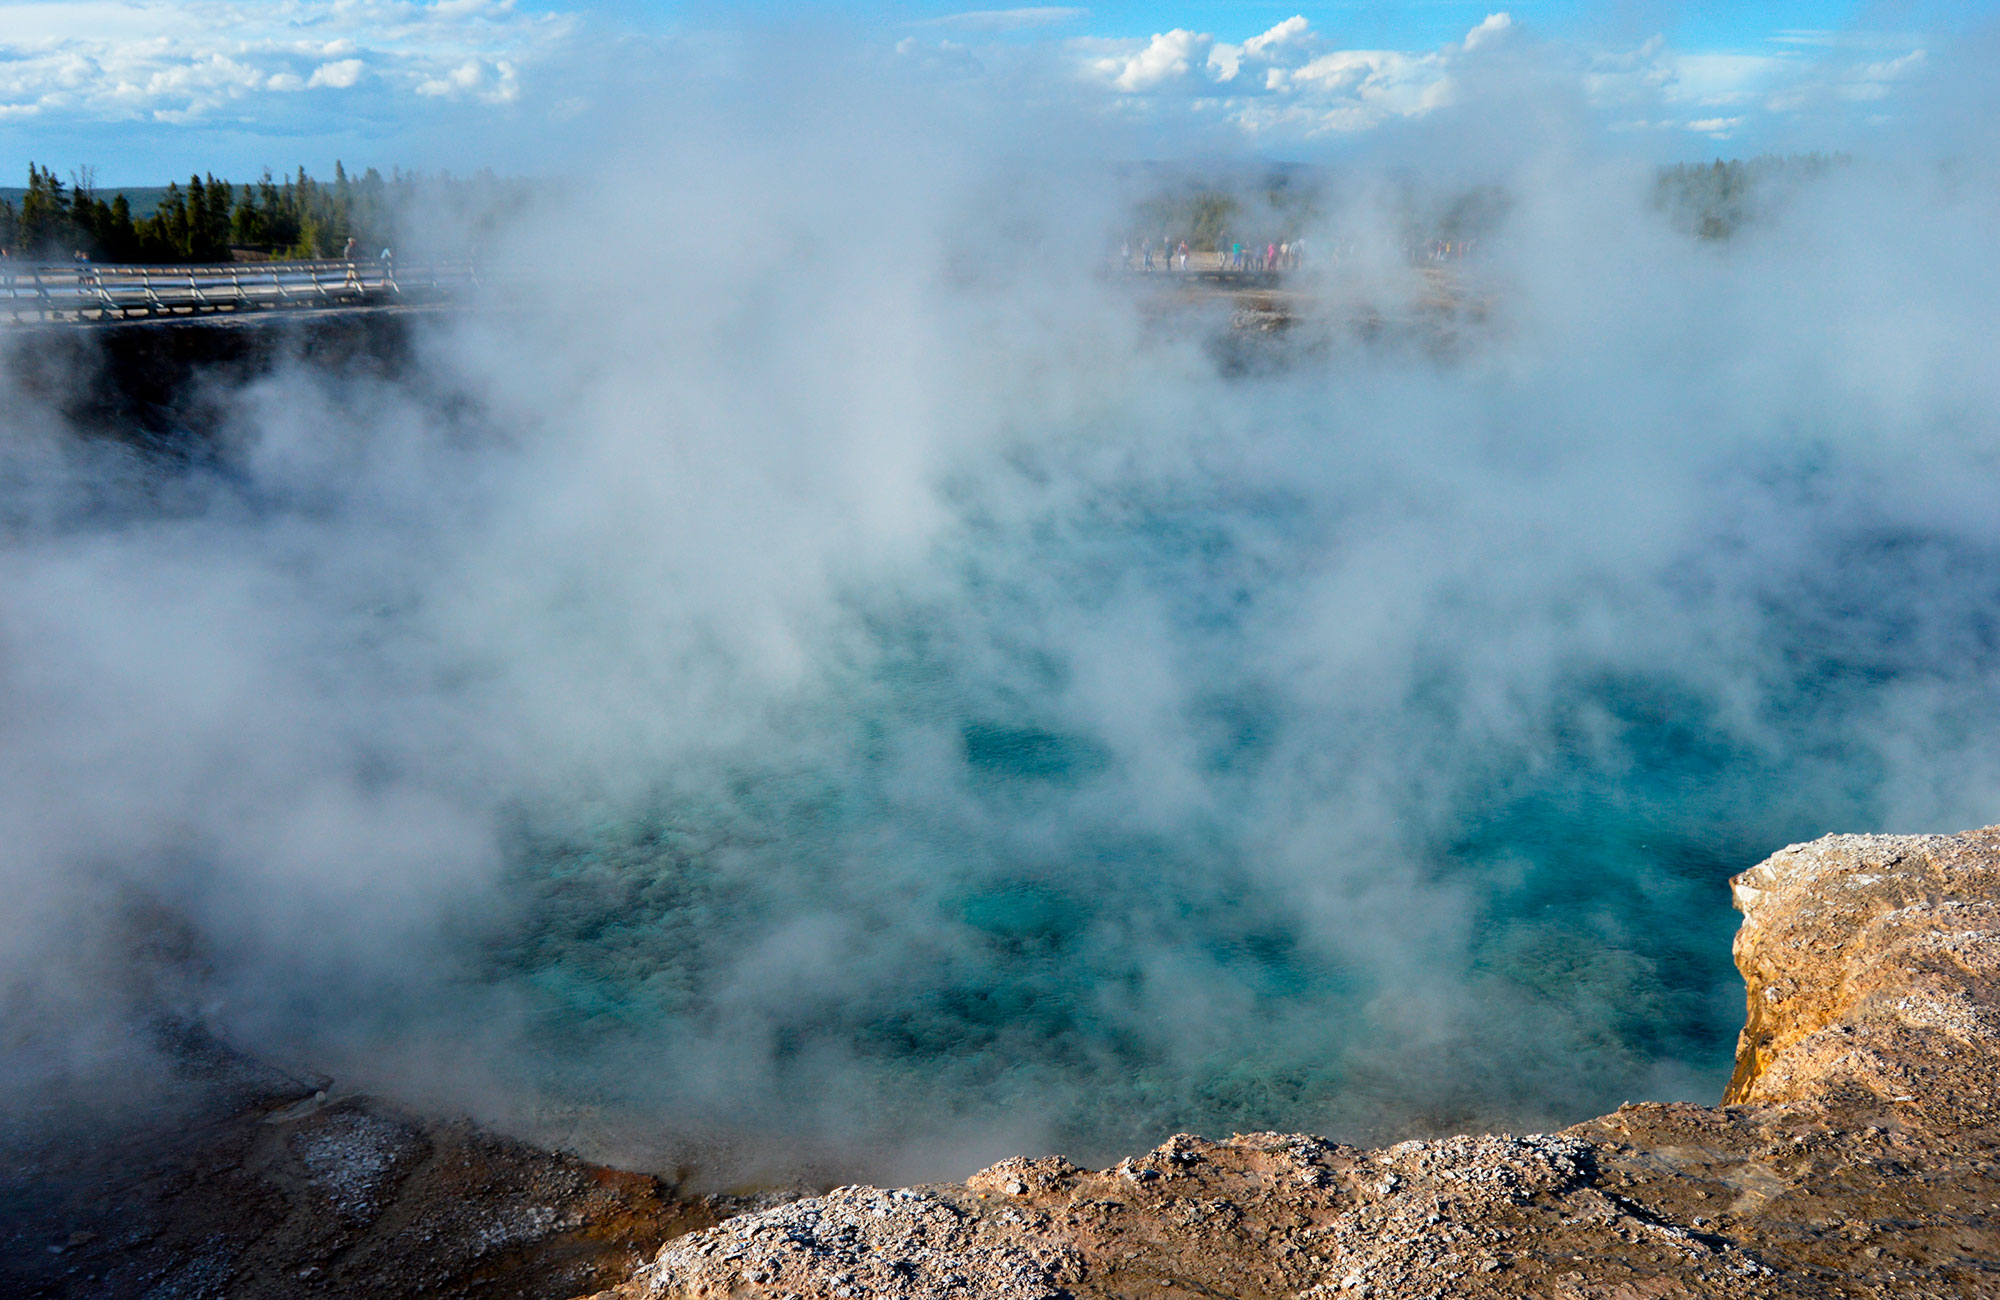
{"type": "Point", "coordinates": [145, 90]}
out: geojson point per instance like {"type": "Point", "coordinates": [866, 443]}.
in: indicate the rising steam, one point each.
{"type": "Point", "coordinates": [846, 673]}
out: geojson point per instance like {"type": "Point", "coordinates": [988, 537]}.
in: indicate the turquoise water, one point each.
{"type": "Point", "coordinates": [1439, 888]}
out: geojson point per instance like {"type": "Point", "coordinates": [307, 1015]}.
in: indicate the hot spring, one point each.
{"type": "Point", "coordinates": [828, 697]}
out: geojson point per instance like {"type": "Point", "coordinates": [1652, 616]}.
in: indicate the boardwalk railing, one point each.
{"type": "Point", "coordinates": [89, 291]}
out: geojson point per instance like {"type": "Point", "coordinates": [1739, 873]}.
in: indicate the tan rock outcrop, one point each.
{"type": "Point", "coordinates": [1855, 1155]}
{"type": "Point", "coordinates": [1872, 959]}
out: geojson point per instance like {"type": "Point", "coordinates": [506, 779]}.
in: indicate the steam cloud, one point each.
{"type": "Point", "coordinates": [842, 675]}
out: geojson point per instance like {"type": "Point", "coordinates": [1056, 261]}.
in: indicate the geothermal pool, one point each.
{"type": "Point", "coordinates": [611, 721]}
{"type": "Point", "coordinates": [1084, 840]}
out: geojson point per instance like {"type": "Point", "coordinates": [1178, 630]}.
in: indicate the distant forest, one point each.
{"type": "Point", "coordinates": [1715, 200]}
{"type": "Point", "coordinates": [1283, 203]}
{"type": "Point", "coordinates": [1289, 201]}
{"type": "Point", "coordinates": [211, 220]}
{"type": "Point", "coordinates": [1709, 201]}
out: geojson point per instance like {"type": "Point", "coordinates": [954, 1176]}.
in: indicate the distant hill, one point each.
{"type": "Point", "coordinates": [143, 198]}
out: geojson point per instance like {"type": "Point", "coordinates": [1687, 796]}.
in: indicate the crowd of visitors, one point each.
{"type": "Point", "coordinates": [1165, 254]}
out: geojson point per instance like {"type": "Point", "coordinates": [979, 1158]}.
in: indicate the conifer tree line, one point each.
{"type": "Point", "coordinates": [1714, 200]}
{"type": "Point", "coordinates": [1711, 201]}
{"type": "Point", "coordinates": [211, 220]}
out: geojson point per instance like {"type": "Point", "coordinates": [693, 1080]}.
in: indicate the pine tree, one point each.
{"type": "Point", "coordinates": [243, 232]}
{"type": "Point", "coordinates": [45, 227]}
{"type": "Point", "coordinates": [118, 238]}
{"type": "Point", "coordinates": [83, 210]}
{"type": "Point", "coordinates": [173, 219]}
{"type": "Point", "coordinates": [195, 246]}
{"type": "Point", "coordinates": [215, 219]}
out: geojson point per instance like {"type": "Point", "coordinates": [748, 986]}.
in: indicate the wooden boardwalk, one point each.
{"type": "Point", "coordinates": [88, 292]}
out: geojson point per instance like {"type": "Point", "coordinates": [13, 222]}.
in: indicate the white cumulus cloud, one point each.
{"type": "Point", "coordinates": [1167, 57]}
{"type": "Point", "coordinates": [1290, 30]}
{"type": "Point", "coordinates": [494, 83]}
{"type": "Point", "coordinates": [120, 60]}
{"type": "Point", "coordinates": [337, 76]}
{"type": "Point", "coordinates": [1292, 80]}
{"type": "Point", "coordinates": [1491, 29]}
{"type": "Point", "coordinates": [1290, 76]}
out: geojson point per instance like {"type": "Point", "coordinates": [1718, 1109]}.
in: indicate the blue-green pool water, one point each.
{"type": "Point", "coordinates": [1105, 821]}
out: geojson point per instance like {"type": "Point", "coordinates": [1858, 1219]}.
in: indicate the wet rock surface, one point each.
{"type": "Point", "coordinates": [266, 1192]}
{"type": "Point", "coordinates": [1857, 1155]}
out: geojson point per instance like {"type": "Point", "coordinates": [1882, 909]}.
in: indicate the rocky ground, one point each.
{"type": "Point", "coordinates": [1856, 1154]}
{"type": "Point", "coordinates": [264, 1186]}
